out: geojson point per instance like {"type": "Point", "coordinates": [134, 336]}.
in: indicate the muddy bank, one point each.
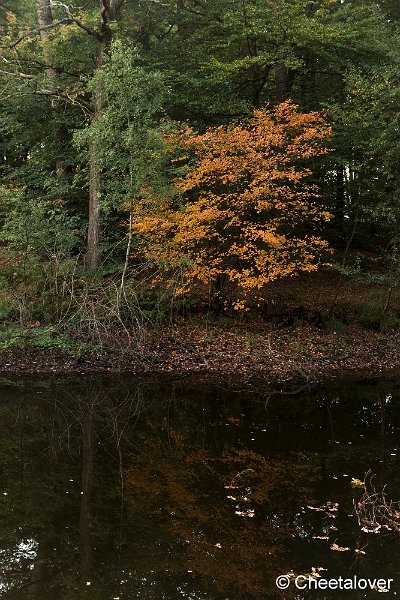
{"type": "Point", "coordinates": [255, 352]}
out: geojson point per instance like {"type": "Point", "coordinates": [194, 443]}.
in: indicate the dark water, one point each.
{"type": "Point", "coordinates": [111, 488]}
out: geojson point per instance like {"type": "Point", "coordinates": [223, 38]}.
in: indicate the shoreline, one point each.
{"type": "Point", "coordinates": [246, 352]}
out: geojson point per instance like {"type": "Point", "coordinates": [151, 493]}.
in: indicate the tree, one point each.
{"type": "Point", "coordinates": [109, 12]}
{"type": "Point", "coordinates": [46, 25]}
{"type": "Point", "coordinates": [127, 136]}
{"type": "Point", "coordinates": [369, 130]}
{"type": "Point", "coordinates": [244, 209]}
{"type": "Point", "coordinates": [127, 133]}
{"type": "Point", "coordinates": [218, 60]}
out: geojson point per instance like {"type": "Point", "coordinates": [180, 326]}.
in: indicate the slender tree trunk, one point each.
{"type": "Point", "coordinates": [340, 196]}
{"type": "Point", "coordinates": [284, 79]}
{"type": "Point", "coordinates": [44, 18]}
{"type": "Point", "coordinates": [108, 12]}
{"type": "Point", "coordinates": [94, 225]}
{"type": "Point", "coordinates": [280, 77]}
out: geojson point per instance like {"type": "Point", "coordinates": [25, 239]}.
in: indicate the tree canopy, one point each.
{"type": "Point", "coordinates": [90, 96]}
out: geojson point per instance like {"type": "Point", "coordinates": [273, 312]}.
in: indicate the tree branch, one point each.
{"type": "Point", "coordinates": [18, 74]}
{"type": "Point", "coordinates": [85, 106]}
{"type": "Point", "coordinates": [57, 94]}
{"type": "Point", "coordinates": [89, 30]}
{"type": "Point", "coordinates": [66, 21]}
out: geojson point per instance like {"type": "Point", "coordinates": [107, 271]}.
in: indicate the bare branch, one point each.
{"type": "Point", "coordinates": [61, 95]}
{"type": "Point", "coordinates": [89, 30]}
{"type": "Point", "coordinates": [58, 95]}
{"type": "Point", "coordinates": [17, 74]}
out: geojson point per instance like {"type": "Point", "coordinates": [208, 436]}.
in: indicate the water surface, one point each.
{"type": "Point", "coordinates": [116, 488]}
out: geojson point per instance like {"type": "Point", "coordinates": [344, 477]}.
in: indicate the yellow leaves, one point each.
{"type": "Point", "coordinates": [10, 17]}
{"type": "Point", "coordinates": [337, 548]}
{"type": "Point", "coordinates": [75, 91]}
{"type": "Point", "coordinates": [357, 483]}
{"type": "Point", "coordinates": [240, 305]}
{"type": "Point", "coordinates": [242, 193]}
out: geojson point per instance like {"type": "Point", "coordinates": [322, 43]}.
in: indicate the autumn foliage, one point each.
{"type": "Point", "coordinates": [245, 210]}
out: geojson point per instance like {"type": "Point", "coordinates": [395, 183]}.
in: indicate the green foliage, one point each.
{"type": "Point", "coordinates": [39, 239]}
{"type": "Point", "coordinates": [199, 65]}
{"type": "Point", "coordinates": [41, 338]}
{"type": "Point", "coordinates": [368, 314]}
{"type": "Point", "coordinates": [37, 229]}
{"type": "Point", "coordinates": [127, 134]}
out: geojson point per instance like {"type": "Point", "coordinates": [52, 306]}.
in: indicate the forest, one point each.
{"type": "Point", "coordinates": [199, 299]}
{"type": "Point", "coordinates": [167, 163]}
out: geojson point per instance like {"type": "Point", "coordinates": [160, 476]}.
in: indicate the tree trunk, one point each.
{"type": "Point", "coordinates": [340, 196]}
{"type": "Point", "coordinates": [280, 77]}
{"type": "Point", "coordinates": [94, 224]}
{"type": "Point", "coordinates": [108, 12]}
{"type": "Point", "coordinates": [44, 18]}
{"type": "Point", "coordinates": [284, 78]}
{"type": "Point", "coordinates": [40, 573]}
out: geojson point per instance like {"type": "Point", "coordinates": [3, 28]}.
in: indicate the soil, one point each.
{"type": "Point", "coordinates": [226, 350]}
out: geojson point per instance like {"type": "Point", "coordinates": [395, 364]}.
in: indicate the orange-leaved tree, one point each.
{"type": "Point", "coordinates": [244, 208]}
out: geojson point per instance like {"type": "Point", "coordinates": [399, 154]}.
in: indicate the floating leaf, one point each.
{"type": "Point", "coordinates": [339, 548]}
{"type": "Point", "coordinates": [379, 588]}
{"type": "Point", "coordinates": [245, 513]}
{"type": "Point", "coordinates": [357, 483]}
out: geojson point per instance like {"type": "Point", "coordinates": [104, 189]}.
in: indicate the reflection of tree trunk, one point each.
{"type": "Point", "coordinates": [215, 436]}
{"type": "Point", "coordinates": [88, 461]}
{"type": "Point", "coordinates": [40, 572]}
{"type": "Point", "coordinates": [382, 401]}
{"type": "Point", "coordinates": [328, 410]}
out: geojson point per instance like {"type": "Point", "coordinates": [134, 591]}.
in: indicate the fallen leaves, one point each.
{"type": "Point", "coordinates": [380, 588]}
{"type": "Point", "coordinates": [329, 508]}
{"type": "Point", "coordinates": [316, 508]}
{"type": "Point", "coordinates": [283, 355]}
{"type": "Point", "coordinates": [357, 483]}
{"type": "Point", "coordinates": [315, 571]}
{"type": "Point", "coordinates": [245, 513]}
{"type": "Point", "coordinates": [337, 548]}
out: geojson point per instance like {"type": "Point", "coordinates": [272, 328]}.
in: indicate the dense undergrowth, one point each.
{"type": "Point", "coordinates": [76, 314]}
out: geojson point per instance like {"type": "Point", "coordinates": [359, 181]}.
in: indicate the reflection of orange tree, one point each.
{"type": "Point", "coordinates": [203, 505]}
{"type": "Point", "coordinates": [246, 209]}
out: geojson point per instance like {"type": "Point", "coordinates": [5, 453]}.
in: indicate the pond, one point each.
{"type": "Point", "coordinates": [114, 488]}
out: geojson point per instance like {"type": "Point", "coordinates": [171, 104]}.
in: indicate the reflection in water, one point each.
{"type": "Point", "coordinates": [116, 489]}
